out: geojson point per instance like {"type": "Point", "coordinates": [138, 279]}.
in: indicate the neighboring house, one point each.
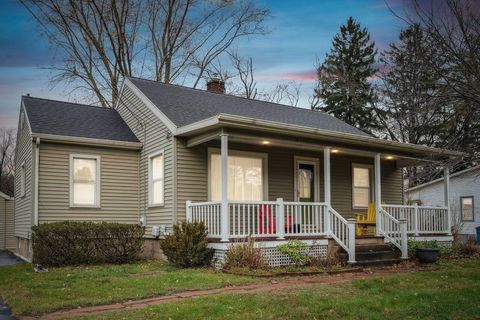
{"type": "Point", "coordinates": [7, 239]}
{"type": "Point", "coordinates": [464, 198]}
{"type": "Point", "coordinates": [167, 153]}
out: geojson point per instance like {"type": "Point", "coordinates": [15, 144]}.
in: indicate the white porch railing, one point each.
{"type": "Point", "coordinates": [394, 230]}
{"type": "Point", "coordinates": [421, 219]}
{"type": "Point", "coordinates": [267, 219]}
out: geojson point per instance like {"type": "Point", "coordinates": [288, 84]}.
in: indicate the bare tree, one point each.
{"type": "Point", "coordinates": [98, 38]}
{"type": "Point", "coordinates": [165, 40]}
{"type": "Point", "coordinates": [7, 147]}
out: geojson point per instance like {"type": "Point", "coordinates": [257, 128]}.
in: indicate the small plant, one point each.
{"type": "Point", "coordinates": [444, 250]}
{"type": "Point", "coordinates": [295, 250]}
{"type": "Point", "coordinates": [468, 248]}
{"type": "Point", "coordinates": [187, 245]}
{"type": "Point", "coordinates": [331, 260]}
{"type": "Point", "coordinates": [244, 255]}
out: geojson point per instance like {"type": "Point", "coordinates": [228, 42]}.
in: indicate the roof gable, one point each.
{"type": "Point", "coordinates": [76, 120]}
{"type": "Point", "coordinates": [184, 106]}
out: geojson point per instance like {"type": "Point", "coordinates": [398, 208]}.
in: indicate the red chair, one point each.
{"type": "Point", "coordinates": [267, 223]}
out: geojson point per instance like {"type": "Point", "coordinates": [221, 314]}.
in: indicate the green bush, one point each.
{"type": "Point", "coordinates": [294, 249]}
{"type": "Point", "coordinates": [187, 245]}
{"type": "Point", "coordinates": [245, 255]}
{"type": "Point", "coordinates": [75, 243]}
{"type": "Point", "coordinates": [444, 250]}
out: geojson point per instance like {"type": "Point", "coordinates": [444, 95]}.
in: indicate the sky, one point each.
{"type": "Point", "coordinates": [300, 31]}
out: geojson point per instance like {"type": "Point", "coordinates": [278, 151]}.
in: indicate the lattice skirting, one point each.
{"type": "Point", "coordinates": [273, 255]}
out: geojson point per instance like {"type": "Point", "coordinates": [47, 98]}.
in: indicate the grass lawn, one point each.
{"type": "Point", "coordinates": [29, 293]}
{"type": "Point", "coordinates": [452, 291]}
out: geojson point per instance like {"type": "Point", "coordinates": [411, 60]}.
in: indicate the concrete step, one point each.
{"type": "Point", "coordinates": [377, 255]}
{"type": "Point", "coordinates": [381, 262]}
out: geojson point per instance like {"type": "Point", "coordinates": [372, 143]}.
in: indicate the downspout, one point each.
{"type": "Point", "coordinates": [37, 166]}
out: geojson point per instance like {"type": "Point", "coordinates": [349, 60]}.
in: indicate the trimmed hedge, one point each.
{"type": "Point", "coordinates": [75, 243]}
{"type": "Point", "coordinates": [187, 245]}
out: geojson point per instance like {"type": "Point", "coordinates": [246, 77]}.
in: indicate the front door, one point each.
{"type": "Point", "coordinates": [306, 180]}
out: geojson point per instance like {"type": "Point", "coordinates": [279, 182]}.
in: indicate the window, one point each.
{"type": "Point", "coordinates": [22, 180]}
{"type": "Point", "coordinates": [156, 172]}
{"type": "Point", "coordinates": [84, 181]}
{"type": "Point", "coordinates": [466, 207]}
{"type": "Point", "coordinates": [246, 176]}
{"type": "Point", "coordinates": [362, 185]}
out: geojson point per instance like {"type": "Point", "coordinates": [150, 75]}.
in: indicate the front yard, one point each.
{"type": "Point", "coordinates": [30, 293]}
{"type": "Point", "coordinates": [449, 290]}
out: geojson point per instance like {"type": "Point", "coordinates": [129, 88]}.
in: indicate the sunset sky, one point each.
{"type": "Point", "coordinates": [300, 31]}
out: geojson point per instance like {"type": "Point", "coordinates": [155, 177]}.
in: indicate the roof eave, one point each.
{"type": "Point", "coordinates": [88, 141]}
{"type": "Point", "coordinates": [277, 127]}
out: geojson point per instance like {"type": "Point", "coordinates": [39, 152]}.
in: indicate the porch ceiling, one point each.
{"type": "Point", "coordinates": [405, 157]}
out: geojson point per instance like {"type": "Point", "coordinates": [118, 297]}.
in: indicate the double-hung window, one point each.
{"type": "Point", "coordinates": [247, 176]}
{"type": "Point", "coordinates": [155, 179]}
{"type": "Point", "coordinates": [362, 185]}
{"type": "Point", "coordinates": [466, 207]}
{"type": "Point", "coordinates": [84, 181]}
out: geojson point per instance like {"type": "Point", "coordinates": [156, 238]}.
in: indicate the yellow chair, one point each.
{"type": "Point", "coordinates": [365, 224]}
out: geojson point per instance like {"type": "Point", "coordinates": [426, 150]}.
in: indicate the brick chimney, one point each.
{"type": "Point", "coordinates": [215, 84]}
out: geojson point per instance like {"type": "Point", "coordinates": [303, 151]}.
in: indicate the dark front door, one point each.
{"type": "Point", "coordinates": [306, 182]}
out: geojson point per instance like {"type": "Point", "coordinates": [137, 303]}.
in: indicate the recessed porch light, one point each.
{"type": "Point", "coordinates": [389, 158]}
{"type": "Point", "coordinates": [265, 142]}
{"type": "Point", "coordinates": [335, 151]}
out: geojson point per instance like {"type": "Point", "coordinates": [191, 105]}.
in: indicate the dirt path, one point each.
{"type": "Point", "coordinates": [272, 285]}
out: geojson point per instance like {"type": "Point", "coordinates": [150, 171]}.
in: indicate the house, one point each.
{"type": "Point", "coordinates": [7, 239]}
{"type": "Point", "coordinates": [464, 193]}
{"type": "Point", "coordinates": [244, 167]}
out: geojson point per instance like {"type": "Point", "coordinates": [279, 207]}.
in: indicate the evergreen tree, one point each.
{"type": "Point", "coordinates": [343, 88]}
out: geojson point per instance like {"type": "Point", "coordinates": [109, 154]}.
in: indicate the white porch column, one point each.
{"type": "Point", "coordinates": [446, 197]}
{"type": "Point", "coordinates": [378, 192]}
{"type": "Point", "coordinates": [225, 217]}
{"type": "Point", "coordinates": [327, 186]}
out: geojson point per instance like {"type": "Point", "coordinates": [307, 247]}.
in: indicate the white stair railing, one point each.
{"type": "Point", "coordinates": [343, 232]}
{"type": "Point", "coordinates": [394, 231]}
{"type": "Point", "coordinates": [421, 219]}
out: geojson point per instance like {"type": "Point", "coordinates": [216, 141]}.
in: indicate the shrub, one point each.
{"type": "Point", "coordinates": [74, 243]}
{"type": "Point", "coordinates": [444, 250]}
{"type": "Point", "coordinates": [187, 245]}
{"type": "Point", "coordinates": [331, 260]}
{"type": "Point", "coordinates": [468, 248]}
{"type": "Point", "coordinates": [294, 249]}
{"type": "Point", "coordinates": [245, 255]}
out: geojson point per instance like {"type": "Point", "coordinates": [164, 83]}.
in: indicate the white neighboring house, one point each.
{"type": "Point", "coordinates": [464, 198]}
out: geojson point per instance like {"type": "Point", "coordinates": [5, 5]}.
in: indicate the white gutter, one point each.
{"type": "Point", "coordinates": [272, 126]}
{"type": "Point", "coordinates": [88, 141]}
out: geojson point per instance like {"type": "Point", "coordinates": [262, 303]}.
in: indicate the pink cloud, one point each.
{"type": "Point", "coordinates": [304, 76]}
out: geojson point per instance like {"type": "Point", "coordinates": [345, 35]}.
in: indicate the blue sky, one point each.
{"type": "Point", "coordinates": [300, 31]}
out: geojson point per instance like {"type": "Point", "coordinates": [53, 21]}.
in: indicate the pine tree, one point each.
{"type": "Point", "coordinates": [343, 88]}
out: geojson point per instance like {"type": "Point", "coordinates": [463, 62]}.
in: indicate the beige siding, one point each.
{"type": "Point", "coordinates": [7, 238]}
{"type": "Point", "coordinates": [192, 180]}
{"type": "Point", "coordinates": [24, 205]}
{"type": "Point", "coordinates": [119, 184]}
{"type": "Point", "coordinates": [155, 136]}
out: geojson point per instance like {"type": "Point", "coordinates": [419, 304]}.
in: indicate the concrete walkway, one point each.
{"type": "Point", "coordinates": [8, 259]}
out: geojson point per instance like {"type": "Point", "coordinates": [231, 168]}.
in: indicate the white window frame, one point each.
{"type": "Point", "coordinates": [23, 180]}
{"type": "Point", "coordinates": [371, 181]}
{"type": "Point", "coordinates": [316, 164]}
{"type": "Point", "coordinates": [258, 155]}
{"type": "Point", "coordinates": [150, 179]}
{"type": "Point", "coordinates": [97, 180]}
{"type": "Point", "coordinates": [473, 209]}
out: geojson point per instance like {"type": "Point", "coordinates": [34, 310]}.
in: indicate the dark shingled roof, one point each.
{"type": "Point", "coordinates": [76, 120]}
{"type": "Point", "coordinates": [184, 106]}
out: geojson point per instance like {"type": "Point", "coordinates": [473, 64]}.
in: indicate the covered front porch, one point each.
{"type": "Point", "coordinates": [274, 186]}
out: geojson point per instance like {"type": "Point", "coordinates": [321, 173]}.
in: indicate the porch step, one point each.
{"type": "Point", "coordinates": [376, 254]}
